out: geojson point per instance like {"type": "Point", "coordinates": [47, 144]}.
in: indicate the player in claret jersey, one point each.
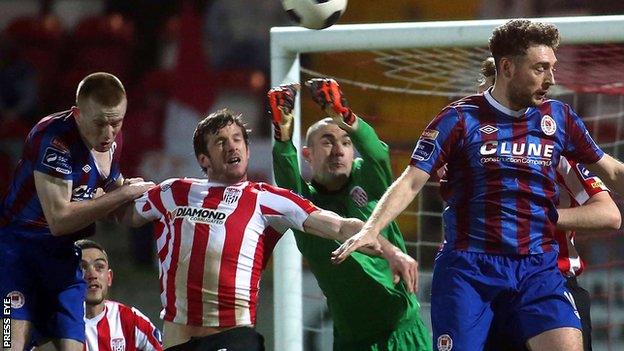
{"type": "Point", "coordinates": [578, 187]}
{"type": "Point", "coordinates": [502, 149]}
{"type": "Point", "coordinates": [215, 236]}
{"type": "Point", "coordinates": [50, 203]}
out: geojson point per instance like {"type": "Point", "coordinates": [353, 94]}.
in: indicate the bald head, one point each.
{"type": "Point", "coordinates": [315, 128]}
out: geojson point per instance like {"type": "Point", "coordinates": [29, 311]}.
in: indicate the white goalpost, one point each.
{"type": "Point", "coordinates": [287, 43]}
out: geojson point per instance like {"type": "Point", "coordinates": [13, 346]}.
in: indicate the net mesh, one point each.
{"type": "Point", "coordinates": [453, 72]}
{"type": "Point", "coordinates": [395, 83]}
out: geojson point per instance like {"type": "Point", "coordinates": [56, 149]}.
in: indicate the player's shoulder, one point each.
{"type": "Point", "coordinates": [273, 189]}
{"type": "Point", "coordinates": [556, 108]}
{"type": "Point", "coordinates": [263, 186]}
{"type": "Point", "coordinates": [465, 106]}
{"type": "Point", "coordinates": [128, 312]}
{"type": "Point", "coordinates": [57, 130]}
{"type": "Point", "coordinates": [470, 102]}
{"type": "Point", "coordinates": [113, 304]}
{"type": "Point", "coordinates": [57, 123]}
{"type": "Point", "coordinates": [173, 183]}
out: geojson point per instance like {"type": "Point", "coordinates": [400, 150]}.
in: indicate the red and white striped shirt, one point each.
{"type": "Point", "coordinates": [577, 185]}
{"type": "Point", "coordinates": [213, 242]}
{"type": "Point", "coordinates": [121, 328]}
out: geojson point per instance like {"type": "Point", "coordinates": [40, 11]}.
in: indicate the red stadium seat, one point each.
{"type": "Point", "coordinates": [45, 30]}
{"type": "Point", "coordinates": [40, 41]}
{"type": "Point", "coordinates": [104, 30]}
{"type": "Point", "coordinates": [103, 43]}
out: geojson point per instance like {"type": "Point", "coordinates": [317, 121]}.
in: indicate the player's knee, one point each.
{"type": "Point", "coordinates": [560, 339]}
{"type": "Point", "coordinates": [20, 333]}
{"type": "Point", "coordinates": [69, 345]}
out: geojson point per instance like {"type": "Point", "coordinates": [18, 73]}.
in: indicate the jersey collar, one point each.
{"type": "Point", "coordinates": [497, 105]}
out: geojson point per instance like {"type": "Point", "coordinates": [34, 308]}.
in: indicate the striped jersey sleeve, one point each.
{"type": "Point", "coordinates": [580, 146]}
{"type": "Point", "coordinates": [150, 205]}
{"type": "Point", "coordinates": [147, 336]}
{"type": "Point", "coordinates": [579, 183]}
{"type": "Point", "coordinates": [284, 207]}
{"type": "Point", "coordinates": [50, 153]}
{"type": "Point", "coordinates": [438, 141]}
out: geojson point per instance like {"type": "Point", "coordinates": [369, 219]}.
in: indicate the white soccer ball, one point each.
{"type": "Point", "coordinates": [314, 14]}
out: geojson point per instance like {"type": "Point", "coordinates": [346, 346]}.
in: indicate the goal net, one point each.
{"type": "Point", "coordinates": [397, 77]}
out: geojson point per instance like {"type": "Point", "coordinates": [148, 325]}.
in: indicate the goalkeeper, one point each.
{"type": "Point", "coordinates": [371, 309]}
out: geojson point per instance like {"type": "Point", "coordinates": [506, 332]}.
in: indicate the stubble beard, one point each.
{"type": "Point", "coordinates": [520, 99]}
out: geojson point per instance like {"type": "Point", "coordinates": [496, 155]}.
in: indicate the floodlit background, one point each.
{"type": "Point", "coordinates": [181, 59]}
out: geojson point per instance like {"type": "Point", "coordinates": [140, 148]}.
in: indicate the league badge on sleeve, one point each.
{"type": "Point", "coordinates": [423, 151]}
{"type": "Point", "coordinates": [57, 160]}
{"type": "Point", "coordinates": [430, 134]}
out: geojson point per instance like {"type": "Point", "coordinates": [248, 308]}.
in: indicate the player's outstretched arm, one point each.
{"type": "Point", "coordinates": [327, 94]}
{"type": "Point", "coordinates": [611, 171]}
{"type": "Point", "coordinates": [330, 225]}
{"type": "Point", "coordinates": [598, 213]}
{"type": "Point", "coordinates": [128, 215]}
{"type": "Point", "coordinates": [392, 203]}
{"type": "Point", "coordinates": [65, 216]}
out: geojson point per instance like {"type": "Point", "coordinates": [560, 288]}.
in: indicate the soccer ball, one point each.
{"type": "Point", "coordinates": [314, 14]}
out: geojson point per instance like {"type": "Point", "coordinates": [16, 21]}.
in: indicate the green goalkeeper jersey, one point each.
{"type": "Point", "coordinates": [364, 302]}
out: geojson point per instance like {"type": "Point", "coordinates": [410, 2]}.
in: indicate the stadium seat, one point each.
{"type": "Point", "coordinates": [103, 43]}
{"type": "Point", "coordinates": [41, 40]}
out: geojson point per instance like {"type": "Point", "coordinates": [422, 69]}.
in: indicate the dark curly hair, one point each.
{"type": "Point", "coordinates": [516, 36]}
{"type": "Point", "coordinates": [212, 124]}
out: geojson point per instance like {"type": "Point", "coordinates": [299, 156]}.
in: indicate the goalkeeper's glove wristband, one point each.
{"type": "Point", "coordinates": [281, 103]}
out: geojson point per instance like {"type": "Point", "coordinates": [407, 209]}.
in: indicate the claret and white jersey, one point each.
{"type": "Point", "coordinates": [121, 328]}
{"type": "Point", "coordinates": [577, 184]}
{"type": "Point", "coordinates": [213, 242]}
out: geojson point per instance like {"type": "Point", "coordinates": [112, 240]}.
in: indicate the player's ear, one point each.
{"type": "Point", "coordinates": [506, 64]}
{"type": "Point", "coordinates": [109, 280]}
{"type": "Point", "coordinates": [307, 153]}
{"type": "Point", "coordinates": [204, 161]}
{"type": "Point", "coordinates": [75, 111]}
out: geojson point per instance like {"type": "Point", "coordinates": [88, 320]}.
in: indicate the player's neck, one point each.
{"type": "Point", "coordinates": [226, 180]}
{"type": "Point", "coordinates": [500, 93]}
{"type": "Point", "coordinates": [333, 184]}
{"type": "Point", "coordinates": [92, 311]}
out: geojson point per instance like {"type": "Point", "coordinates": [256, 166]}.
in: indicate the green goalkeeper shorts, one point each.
{"type": "Point", "coordinates": [410, 335]}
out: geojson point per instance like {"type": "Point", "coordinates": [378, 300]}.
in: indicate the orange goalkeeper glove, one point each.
{"type": "Point", "coordinates": [326, 92]}
{"type": "Point", "coordinates": [281, 104]}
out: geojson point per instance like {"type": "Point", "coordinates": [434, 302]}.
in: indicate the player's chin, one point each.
{"type": "Point", "coordinates": [538, 99]}
{"type": "Point", "coordinates": [94, 298]}
{"type": "Point", "coordinates": [102, 148]}
{"type": "Point", "coordinates": [341, 172]}
{"type": "Point", "coordinates": [237, 173]}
